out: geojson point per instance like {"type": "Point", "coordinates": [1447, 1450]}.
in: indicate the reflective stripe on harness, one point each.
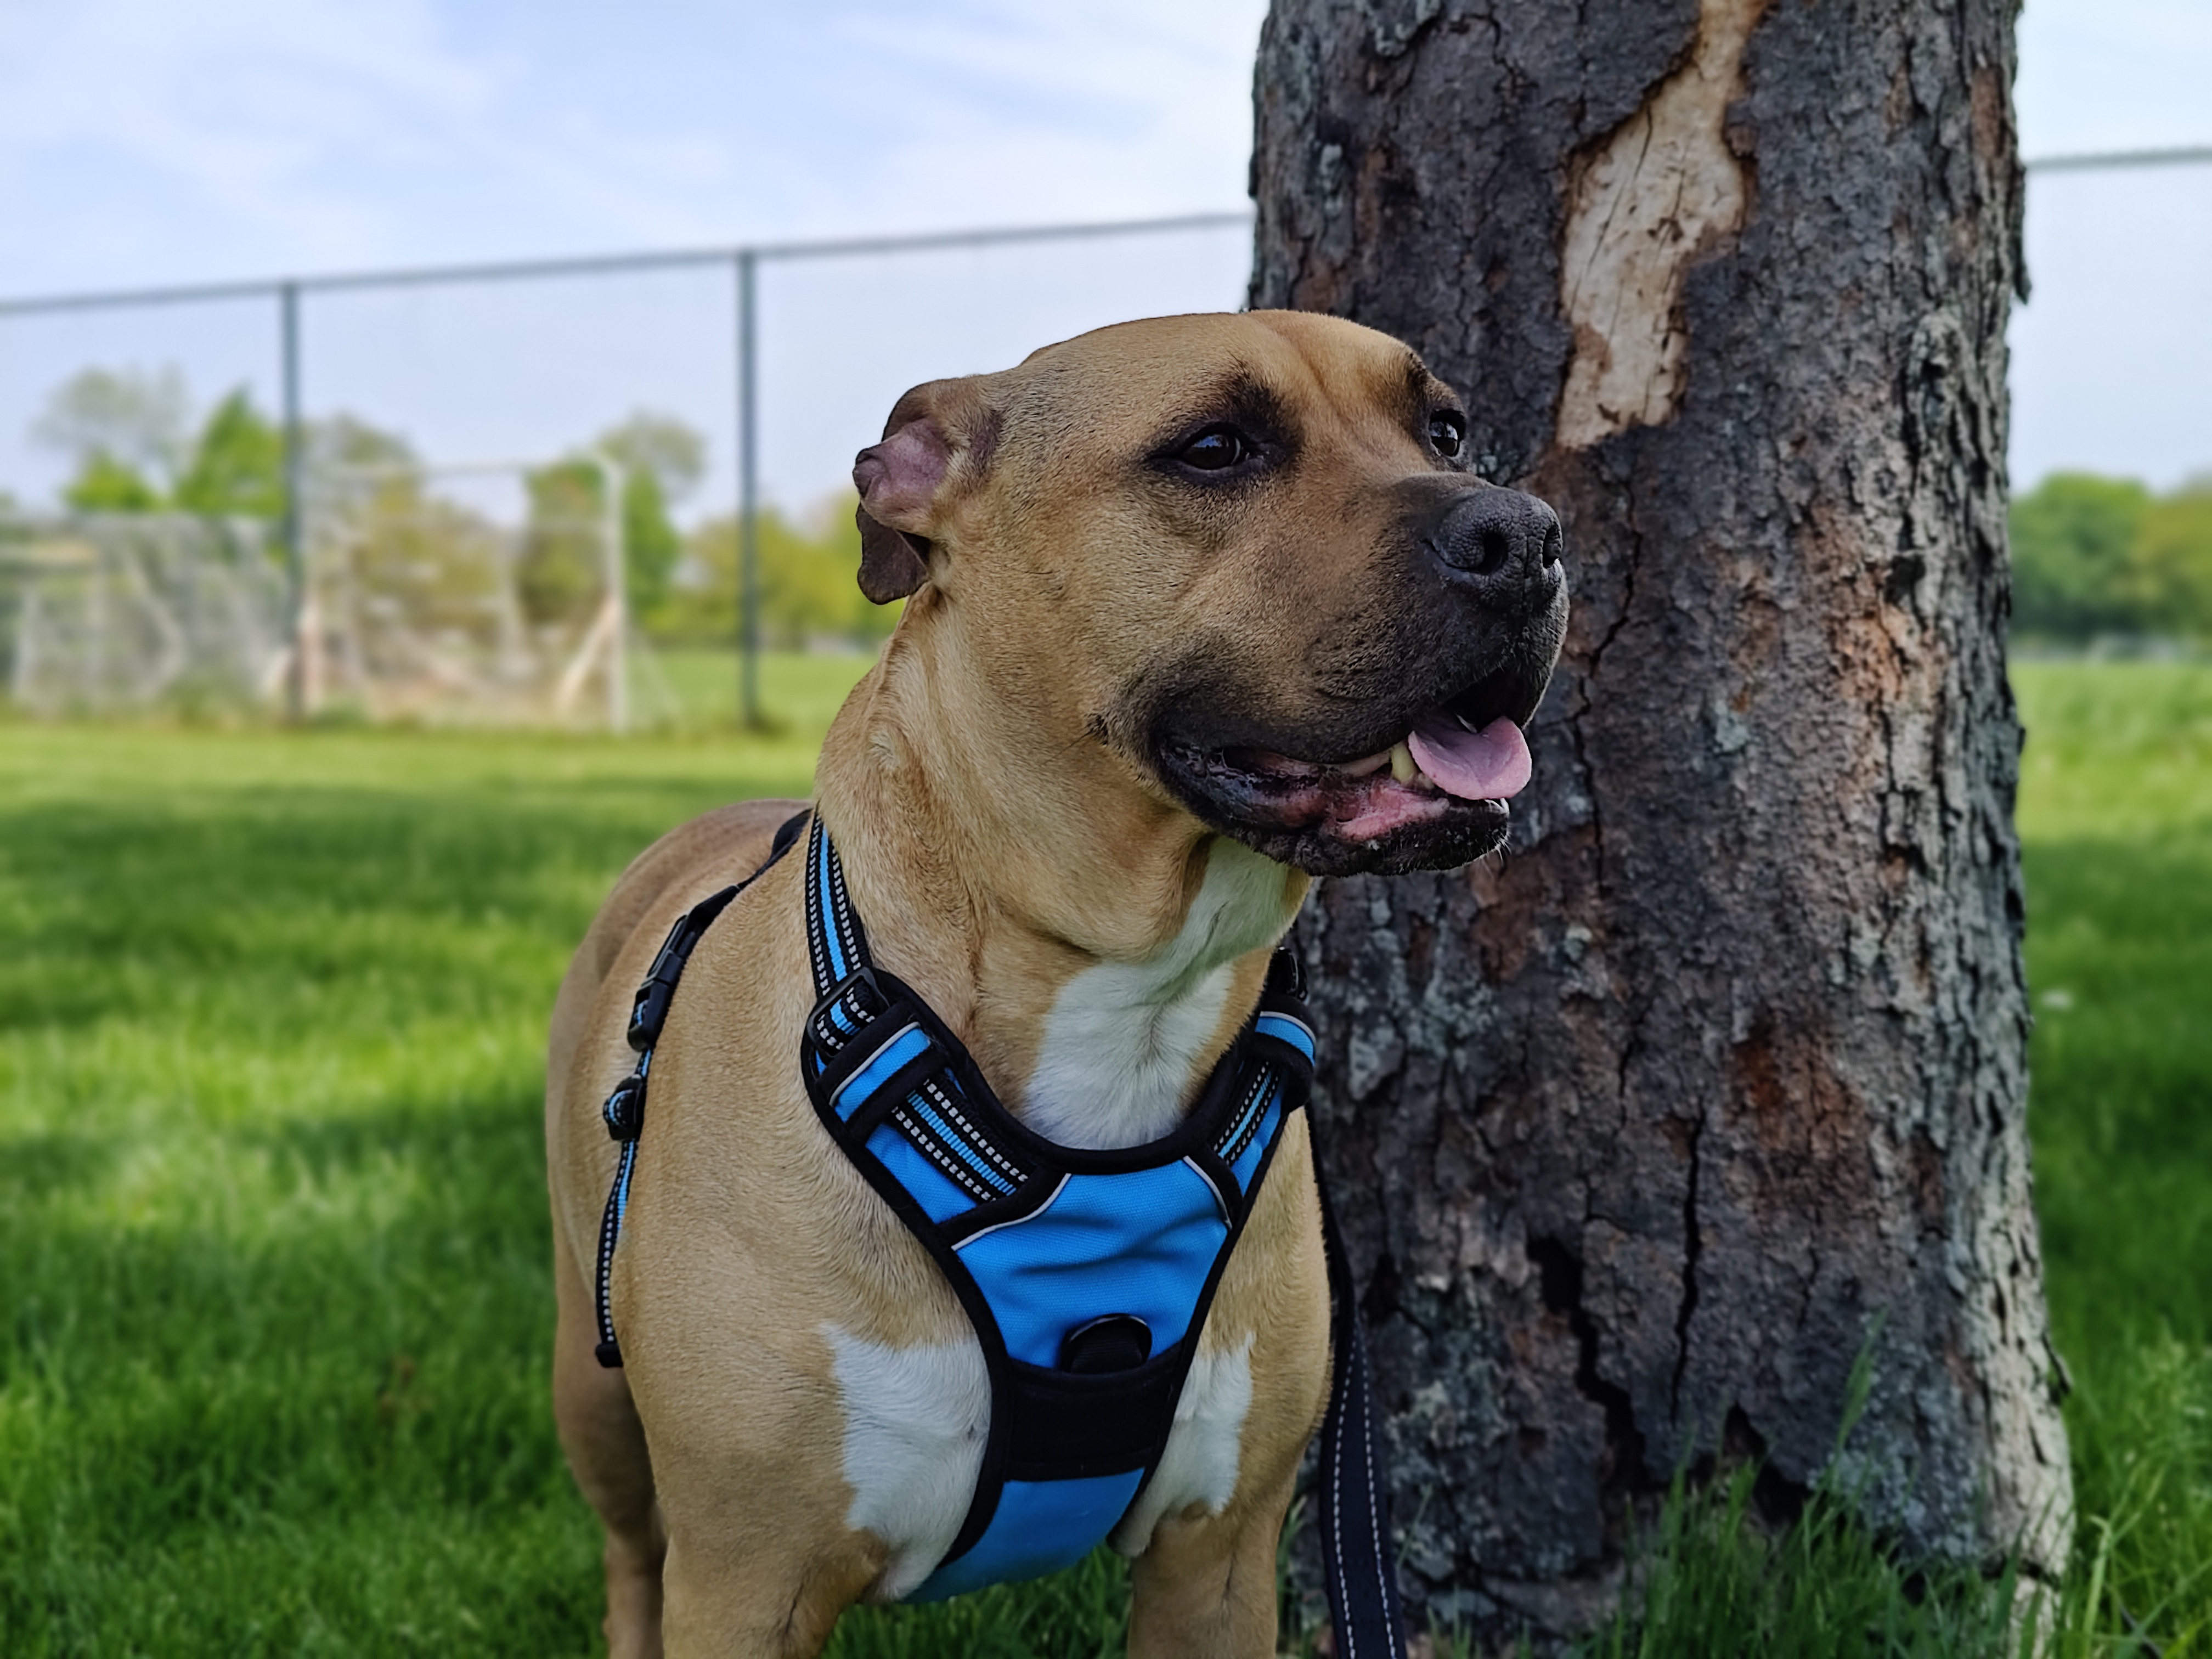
{"type": "Point", "coordinates": [1086, 1274]}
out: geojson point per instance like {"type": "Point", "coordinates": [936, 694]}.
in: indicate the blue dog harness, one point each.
{"type": "Point", "coordinates": [1086, 1274]}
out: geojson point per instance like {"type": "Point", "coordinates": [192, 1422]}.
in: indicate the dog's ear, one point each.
{"type": "Point", "coordinates": [938, 439]}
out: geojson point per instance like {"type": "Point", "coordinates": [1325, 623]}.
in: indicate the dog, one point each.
{"type": "Point", "coordinates": [1197, 609]}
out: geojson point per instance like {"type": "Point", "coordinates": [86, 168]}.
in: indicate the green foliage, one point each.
{"type": "Point", "coordinates": [2095, 555]}
{"type": "Point", "coordinates": [2072, 539]}
{"type": "Point", "coordinates": [341, 446]}
{"type": "Point", "coordinates": [131, 435]}
{"type": "Point", "coordinates": [809, 581]}
{"type": "Point", "coordinates": [273, 1297]}
{"type": "Point", "coordinates": [139, 420]}
{"type": "Point", "coordinates": [127, 435]}
{"type": "Point", "coordinates": [237, 469]}
{"type": "Point", "coordinates": [562, 566]}
{"type": "Point", "coordinates": [104, 485]}
{"type": "Point", "coordinates": [672, 452]}
{"type": "Point", "coordinates": [652, 545]}
{"type": "Point", "coordinates": [662, 460]}
{"type": "Point", "coordinates": [2173, 564]}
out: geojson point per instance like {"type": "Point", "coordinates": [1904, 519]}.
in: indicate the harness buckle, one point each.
{"type": "Point", "coordinates": [847, 1009]}
{"type": "Point", "coordinates": [624, 1112]}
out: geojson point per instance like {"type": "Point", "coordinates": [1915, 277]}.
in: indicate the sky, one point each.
{"type": "Point", "coordinates": [146, 141]}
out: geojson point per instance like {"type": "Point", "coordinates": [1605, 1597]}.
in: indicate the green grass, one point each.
{"type": "Point", "coordinates": [688, 689]}
{"type": "Point", "coordinates": [2115, 813]}
{"type": "Point", "coordinates": [273, 1299]}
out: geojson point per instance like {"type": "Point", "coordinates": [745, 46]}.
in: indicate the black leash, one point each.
{"type": "Point", "coordinates": [1354, 1513]}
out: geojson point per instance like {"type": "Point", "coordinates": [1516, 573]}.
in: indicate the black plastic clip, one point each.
{"type": "Point", "coordinates": [648, 1011]}
{"type": "Point", "coordinates": [624, 1111]}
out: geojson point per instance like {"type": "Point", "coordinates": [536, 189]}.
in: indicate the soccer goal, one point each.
{"type": "Point", "coordinates": [106, 611]}
{"type": "Point", "coordinates": [491, 593]}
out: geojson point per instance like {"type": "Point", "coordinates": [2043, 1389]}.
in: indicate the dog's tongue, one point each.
{"type": "Point", "coordinates": [1491, 765]}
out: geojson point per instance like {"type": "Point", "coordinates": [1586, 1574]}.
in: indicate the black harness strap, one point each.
{"type": "Point", "coordinates": [624, 1111]}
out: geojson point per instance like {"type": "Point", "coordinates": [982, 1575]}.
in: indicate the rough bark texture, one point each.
{"type": "Point", "coordinates": [1644, 1133]}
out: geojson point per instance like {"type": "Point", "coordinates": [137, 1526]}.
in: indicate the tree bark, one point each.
{"type": "Point", "coordinates": [1645, 1133]}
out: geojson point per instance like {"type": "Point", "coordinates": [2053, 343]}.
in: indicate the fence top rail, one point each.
{"type": "Point", "coordinates": [2183, 155]}
{"type": "Point", "coordinates": [834, 247]}
{"type": "Point", "coordinates": [615, 263]}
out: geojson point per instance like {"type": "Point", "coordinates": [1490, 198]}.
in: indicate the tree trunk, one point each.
{"type": "Point", "coordinates": [1645, 1133]}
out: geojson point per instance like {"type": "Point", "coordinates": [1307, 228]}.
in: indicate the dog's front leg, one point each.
{"type": "Point", "coordinates": [742, 1594]}
{"type": "Point", "coordinates": [760, 1561]}
{"type": "Point", "coordinates": [1206, 1588]}
{"type": "Point", "coordinates": [605, 1445]}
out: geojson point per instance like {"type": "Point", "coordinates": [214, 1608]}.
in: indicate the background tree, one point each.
{"type": "Point", "coordinates": [2073, 540]}
{"type": "Point", "coordinates": [104, 485]}
{"type": "Point", "coordinates": [2171, 564]}
{"type": "Point", "coordinates": [237, 466]}
{"type": "Point", "coordinates": [127, 433]}
{"type": "Point", "coordinates": [806, 591]}
{"type": "Point", "coordinates": [1645, 1132]}
{"type": "Point", "coordinates": [562, 568]}
{"type": "Point", "coordinates": [662, 459]}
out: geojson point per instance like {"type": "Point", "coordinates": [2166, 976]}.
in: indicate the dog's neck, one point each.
{"type": "Point", "coordinates": [1097, 948]}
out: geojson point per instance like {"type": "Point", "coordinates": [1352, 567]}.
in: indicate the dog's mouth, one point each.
{"type": "Point", "coordinates": [1434, 798]}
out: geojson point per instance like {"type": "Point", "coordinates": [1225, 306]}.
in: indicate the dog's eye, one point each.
{"type": "Point", "coordinates": [1447, 431]}
{"type": "Point", "coordinates": [1215, 449]}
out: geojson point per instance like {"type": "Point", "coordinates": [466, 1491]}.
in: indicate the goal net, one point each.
{"type": "Point", "coordinates": [104, 611]}
{"type": "Point", "coordinates": [483, 594]}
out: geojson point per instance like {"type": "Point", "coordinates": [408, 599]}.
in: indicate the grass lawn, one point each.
{"type": "Point", "coordinates": [2116, 814]}
{"type": "Point", "coordinates": [273, 1304]}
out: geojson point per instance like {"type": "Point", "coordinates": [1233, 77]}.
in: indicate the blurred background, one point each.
{"type": "Point", "coordinates": [490, 258]}
{"type": "Point", "coordinates": [274, 1300]}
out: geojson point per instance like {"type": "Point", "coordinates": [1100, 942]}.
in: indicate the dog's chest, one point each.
{"type": "Point", "coordinates": [917, 1418]}
{"type": "Point", "coordinates": [1117, 1068]}
{"type": "Point", "coordinates": [1119, 1059]}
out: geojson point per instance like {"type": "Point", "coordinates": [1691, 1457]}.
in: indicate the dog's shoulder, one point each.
{"type": "Point", "coordinates": [683, 867]}
{"type": "Point", "coordinates": [725, 845]}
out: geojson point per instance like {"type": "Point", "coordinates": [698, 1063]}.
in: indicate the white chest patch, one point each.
{"type": "Point", "coordinates": [915, 1422]}
{"type": "Point", "coordinates": [1200, 1463]}
{"type": "Point", "coordinates": [1122, 1041]}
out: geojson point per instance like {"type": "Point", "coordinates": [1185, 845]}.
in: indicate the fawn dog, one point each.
{"type": "Point", "coordinates": [1197, 608]}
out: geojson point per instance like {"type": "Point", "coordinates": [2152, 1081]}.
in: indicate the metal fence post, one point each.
{"type": "Point", "coordinates": [615, 565]}
{"type": "Point", "coordinates": [294, 528]}
{"type": "Point", "coordinates": [749, 708]}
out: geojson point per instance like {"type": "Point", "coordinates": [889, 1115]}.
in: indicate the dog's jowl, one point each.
{"type": "Point", "coordinates": [959, 1213]}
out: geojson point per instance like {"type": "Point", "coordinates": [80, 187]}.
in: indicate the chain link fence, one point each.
{"type": "Point", "coordinates": [684, 419]}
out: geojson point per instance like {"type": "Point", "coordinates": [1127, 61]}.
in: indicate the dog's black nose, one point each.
{"type": "Point", "coordinates": [1499, 540]}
